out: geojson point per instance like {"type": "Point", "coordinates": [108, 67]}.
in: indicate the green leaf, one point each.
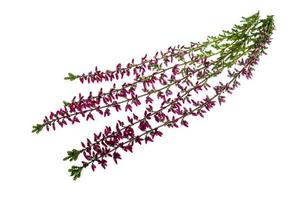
{"type": "Point", "coordinates": [66, 103]}
{"type": "Point", "coordinates": [72, 155]}
{"type": "Point", "coordinates": [71, 77]}
{"type": "Point", "coordinates": [75, 172]}
{"type": "Point", "coordinates": [37, 128]}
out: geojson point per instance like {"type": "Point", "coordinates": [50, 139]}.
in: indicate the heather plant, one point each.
{"type": "Point", "coordinates": [161, 91]}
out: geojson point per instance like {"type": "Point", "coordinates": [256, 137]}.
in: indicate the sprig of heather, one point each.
{"type": "Point", "coordinates": [137, 69]}
{"type": "Point", "coordinates": [101, 148]}
{"type": "Point", "coordinates": [158, 62]}
{"type": "Point", "coordinates": [88, 106]}
{"type": "Point", "coordinates": [85, 106]}
{"type": "Point", "coordinates": [103, 110]}
{"type": "Point", "coordinates": [99, 153]}
{"type": "Point", "coordinates": [172, 78]}
{"type": "Point", "coordinates": [158, 115]}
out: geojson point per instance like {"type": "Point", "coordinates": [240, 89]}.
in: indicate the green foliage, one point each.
{"type": "Point", "coordinates": [66, 103]}
{"type": "Point", "coordinates": [71, 77]}
{"type": "Point", "coordinates": [37, 128]}
{"type": "Point", "coordinates": [72, 155]}
{"type": "Point", "coordinates": [75, 172]}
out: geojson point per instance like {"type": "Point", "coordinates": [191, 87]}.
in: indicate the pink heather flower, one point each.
{"type": "Point", "coordinates": [221, 99]}
{"type": "Point", "coordinates": [156, 133]}
{"type": "Point", "coordinates": [107, 130]}
{"type": "Point", "coordinates": [169, 92]}
{"type": "Point", "coordinates": [128, 148]}
{"type": "Point", "coordinates": [107, 112]}
{"type": "Point", "coordinates": [103, 162]}
{"type": "Point", "coordinates": [75, 119]}
{"type": "Point", "coordinates": [89, 116]}
{"type": "Point", "coordinates": [118, 67]}
{"type": "Point", "coordinates": [138, 140]}
{"type": "Point", "coordinates": [149, 100]}
{"type": "Point", "coordinates": [209, 103]}
{"type": "Point", "coordinates": [136, 102]}
{"type": "Point", "coordinates": [143, 125]}
{"type": "Point", "coordinates": [116, 156]}
{"type": "Point", "coordinates": [93, 167]}
{"type": "Point", "coordinates": [111, 141]}
{"type": "Point", "coordinates": [86, 155]}
{"type": "Point", "coordinates": [117, 107]}
{"type": "Point", "coordinates": [148, 139]}
{"type": "Point", "coordinates": [159, 117]}
{"type": "Point", "coordinates": [175, 69]}
{"type": "Point", "coordinates": [247, 73]}
{"type": "Point", "coordinates": [185, 123]}
{"type": "Point", "coordinates": [144, 58]}
{"type": "Point", "coordinates": [128, 107]}
{"type": "Point", "coordinates": [129, 132]}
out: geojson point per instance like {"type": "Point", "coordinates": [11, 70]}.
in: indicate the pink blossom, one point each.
{"type": "Point", "coordinates": [143, 125]}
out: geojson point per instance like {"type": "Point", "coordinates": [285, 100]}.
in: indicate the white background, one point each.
{"type": "Point", "coordinates": [249, 148]}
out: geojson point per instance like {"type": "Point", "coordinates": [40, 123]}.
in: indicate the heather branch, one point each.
{"type": "Point", "coordinates": [156, 128]}
{"type": "Point", "coordinates": [252, 59]}
{"type": "Point", "coordinates": [180, 50]}
{"type": "Point", "coordinates": [204, 82]}
{"type": "Point", "coordinates": [56, 119]}
{"type": "Point", "coordinates": [124, 101]}
{"type": "Point", "coordinates": [243, 45]}
{"type": "Point", "coordinates": [221, 61]}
